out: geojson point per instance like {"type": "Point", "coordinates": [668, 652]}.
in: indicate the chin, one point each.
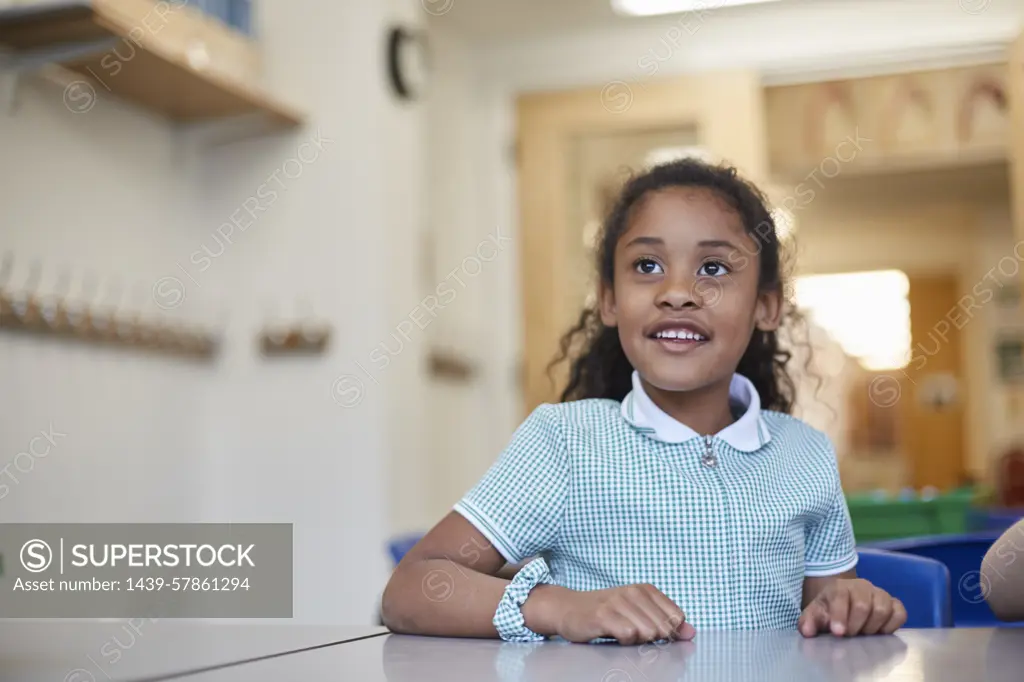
{"type": "Point", "coordinates": [676, 379]}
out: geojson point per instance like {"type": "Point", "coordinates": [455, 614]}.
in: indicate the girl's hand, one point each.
{"type": "Point", "coordinates": [850, 607]}
{"type": "Point", "coordinates": [633, 614]}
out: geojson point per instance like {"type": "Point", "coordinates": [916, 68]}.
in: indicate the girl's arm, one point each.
{"type": "Point", "coordinates": [510, 570]}
{"type": "Point", "coordinates": [1003, 575]}
{"type": "Point", "coordinates": [446, 584]}
{"type": "Point", "coordinates": [450, 583]}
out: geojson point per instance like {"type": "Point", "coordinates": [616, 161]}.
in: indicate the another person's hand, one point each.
{"type": "Point", "coordinates": [850, 607]}
{"type": "Point", "coordinates": [633, 614]}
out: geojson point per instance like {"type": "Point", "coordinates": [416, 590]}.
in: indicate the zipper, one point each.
{"type": "Point", "coordinates": [709, 459]}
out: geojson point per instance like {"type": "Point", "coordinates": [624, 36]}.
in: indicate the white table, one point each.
{"type": "Point", "coordinates": [98, 651]}
{"type": "Point", "coordinates": [965, 655]}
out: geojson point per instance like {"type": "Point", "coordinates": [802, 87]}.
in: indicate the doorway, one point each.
{"type": "Point", "coordinates": [894, 388]}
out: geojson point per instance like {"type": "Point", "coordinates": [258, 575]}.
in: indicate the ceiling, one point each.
{"type": "Point", "coordinates": [505, 18]}
{"type": "Point", "coordinates": [487, 20]}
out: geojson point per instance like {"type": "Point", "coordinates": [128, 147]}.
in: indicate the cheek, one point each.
{"type": "Point", "coordinates": [735, 310]}
{"type": "Point", "coordinates": [632, 305]}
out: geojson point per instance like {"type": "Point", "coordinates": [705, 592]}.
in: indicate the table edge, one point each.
{"type": "Point", "coordinates": [254, 659]}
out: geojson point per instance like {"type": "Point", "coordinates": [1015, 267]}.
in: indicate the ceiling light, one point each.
{"type": "Point", "coordinates": [647, 8]}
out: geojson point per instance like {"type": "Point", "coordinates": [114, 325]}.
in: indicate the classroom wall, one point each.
{"type": "Point", "coordinates": [117, 192]}
{"type": "Point", "coordinates": [470, 201]}
{"type": "Point", "coordinates": [787, 43]}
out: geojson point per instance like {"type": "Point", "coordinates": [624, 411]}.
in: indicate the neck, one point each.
{"type": "Point", "coordinates": [705, 410]}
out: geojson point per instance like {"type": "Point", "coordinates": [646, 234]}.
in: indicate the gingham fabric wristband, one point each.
{"type": "Point", "coordinates": [508, 618]}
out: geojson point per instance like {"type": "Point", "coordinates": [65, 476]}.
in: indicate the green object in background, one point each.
{"type": "Point", "coordinates": [886, 518]}
{"type": "Point", "coordinates": [953, 510]}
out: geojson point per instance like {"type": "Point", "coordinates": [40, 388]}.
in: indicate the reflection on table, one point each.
{"type": "Point", "coordinates": [977, 655]}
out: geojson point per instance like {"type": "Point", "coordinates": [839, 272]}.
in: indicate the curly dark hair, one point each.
{"type": "Point", "coordinates": [599, 367]}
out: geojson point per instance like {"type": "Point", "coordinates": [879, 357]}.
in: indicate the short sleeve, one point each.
{"type": "Point", "coordinates": [519, 502]}
{"type": "Point", "coordinates": [830, 544]}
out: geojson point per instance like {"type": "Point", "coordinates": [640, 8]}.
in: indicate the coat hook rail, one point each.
{"type": "Point", "coordinates": [97, 315]}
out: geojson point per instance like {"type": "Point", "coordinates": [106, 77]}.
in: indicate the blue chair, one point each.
{"type": "Point", "coordinates": [923, 585]}
{"type": "Point", "coordinates": [962, 555]}
{"type": "Point", "coordinates": [400, 546]}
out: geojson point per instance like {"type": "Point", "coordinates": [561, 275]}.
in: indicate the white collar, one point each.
{"type": "Point", "coordinates": [748, 433]}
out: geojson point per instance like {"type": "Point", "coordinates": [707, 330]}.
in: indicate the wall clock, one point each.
{"type": "Point", "coordinates": [407, 62]}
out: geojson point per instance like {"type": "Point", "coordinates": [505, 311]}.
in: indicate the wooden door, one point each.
{"type": "Point", "coordinates": [721, 112]}
{"type": "Point", "coordinates": [931, 415]}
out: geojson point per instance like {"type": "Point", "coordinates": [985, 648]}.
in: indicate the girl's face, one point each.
{"type": "Point", "coordinates": [685, 297]}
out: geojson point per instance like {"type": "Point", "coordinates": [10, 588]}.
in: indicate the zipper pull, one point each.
{"type": "Point", "coordinates": [709, 458]}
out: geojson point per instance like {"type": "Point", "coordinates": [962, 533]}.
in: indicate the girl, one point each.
{"type": "Point", "coordinates": [670, 491]}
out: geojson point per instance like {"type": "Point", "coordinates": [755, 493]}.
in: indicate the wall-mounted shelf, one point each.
{"type": "Point", "coordinates": [165, 56]}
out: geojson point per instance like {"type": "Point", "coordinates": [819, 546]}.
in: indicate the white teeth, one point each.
{"type": "Point", "coordinates": [679, 334]}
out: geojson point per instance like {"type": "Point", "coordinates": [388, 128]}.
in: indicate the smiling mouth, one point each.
{"type": "Point", "coordinates": [679, 336]}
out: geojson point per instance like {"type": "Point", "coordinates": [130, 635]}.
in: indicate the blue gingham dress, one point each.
{"type": "Point", "coordinates": [727, 526]}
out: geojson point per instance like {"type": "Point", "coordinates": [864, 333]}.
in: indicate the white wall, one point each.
{"type": "Point", "coordinates": [786, 42]}
{"type": "Point", "coordinates": [470, 202]}
{"type": "Point", "coordinates": [117, 192]}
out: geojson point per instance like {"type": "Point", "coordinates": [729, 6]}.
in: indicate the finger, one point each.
{"type": "Point", "coordinates": [671, 614]}
{"type": "Point", "coordinates": [803, 624]}
{"type": "Point", "coordinates": [646, 627]}
{"type": "Point", "coordinates": [897, 619]}
{"type": "Point", "coordinates": [823, 615]}
{"type": "Point", "coordinates": [839, 611]}
{"type": "Point", "coordinates": [665, 624]}
{"type": "Point", "coordinates": [620, 628]}
{"type": "Point", "coordinates": [814, 619]}
{"type": "Point", "coordinates": [642, 600]}
{"type": "Point", "coordinates": [861, 603]}
{"type": "Point", "coordinates": [881, 612]}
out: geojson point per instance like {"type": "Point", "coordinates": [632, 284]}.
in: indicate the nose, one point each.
{"type": "Point", "coordinates": [678, 293]}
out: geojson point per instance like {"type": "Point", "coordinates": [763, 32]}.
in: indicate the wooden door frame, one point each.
{"type": "Point", "coordinates": [1015, 87]}
{"type": "Point", "coordinates": [726, 109]}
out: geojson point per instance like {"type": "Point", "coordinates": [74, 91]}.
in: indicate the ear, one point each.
{"type": "Point", "coordinates": [768, 311]}
{"type": "Point", "coordinates": [606, 296]}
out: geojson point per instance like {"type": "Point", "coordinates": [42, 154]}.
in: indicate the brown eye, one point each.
{"type": "Point", "coordinates": [647, 266]}
{"type": "Point", "coordinates": [713, 268]}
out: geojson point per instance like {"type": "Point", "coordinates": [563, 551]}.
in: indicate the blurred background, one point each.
{"type": "Point", "coordinates": [307, 261]}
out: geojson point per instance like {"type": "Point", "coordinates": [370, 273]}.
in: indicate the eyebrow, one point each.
{"type": "Point", "coordinates": [718, 242]}
{"type": "Point", "coordinates": [658, 241]}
